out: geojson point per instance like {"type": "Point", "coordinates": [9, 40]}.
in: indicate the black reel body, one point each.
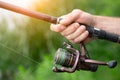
{"type": "Point", "coordinates": [71, 59]}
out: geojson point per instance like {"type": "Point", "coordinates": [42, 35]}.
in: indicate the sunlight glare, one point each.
{"type": "Point", "coordinates": [12, 18]}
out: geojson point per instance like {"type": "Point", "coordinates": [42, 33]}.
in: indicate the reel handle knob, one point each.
{"type": "Point", "coordinates": [112, 64]}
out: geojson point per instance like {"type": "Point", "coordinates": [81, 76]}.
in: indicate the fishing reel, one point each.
{"type": "Point", "coordinates": [71, 59]}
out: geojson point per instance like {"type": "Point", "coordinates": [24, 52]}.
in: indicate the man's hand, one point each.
{"type": "Point", "coordinates": [70, 26]}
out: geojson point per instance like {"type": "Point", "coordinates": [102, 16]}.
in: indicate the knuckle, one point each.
{"type": "Point", "coordinates": [83, 27]}
{"type": "Point", "coordinates": [75, 26]}
{"type": "Point", "coordinates": [76, 11]}
{"type": "Point", "coordinates": [84, 16]}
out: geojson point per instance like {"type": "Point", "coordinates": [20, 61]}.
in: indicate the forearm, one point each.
{"type": "Point", "coordinates": [109, 24]}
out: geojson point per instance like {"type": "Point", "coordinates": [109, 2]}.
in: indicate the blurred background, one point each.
{"type": "Point", "coordinates": [27, 46]}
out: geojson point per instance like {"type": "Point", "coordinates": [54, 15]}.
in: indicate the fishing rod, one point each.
{"type": "Point", "coordinates": [94, 32]}
{"type": "Point", "coordinates": [70, 58]}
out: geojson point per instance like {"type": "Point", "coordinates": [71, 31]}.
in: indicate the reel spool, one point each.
{"type": "Point", "coordinates": [71, 59]}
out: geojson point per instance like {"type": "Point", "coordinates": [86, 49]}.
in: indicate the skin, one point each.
{"type": "Point", "coordinates": [70, 28]}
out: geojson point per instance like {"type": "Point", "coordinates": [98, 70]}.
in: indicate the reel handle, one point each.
{"type": "Point", "coordinates": [110, 64]}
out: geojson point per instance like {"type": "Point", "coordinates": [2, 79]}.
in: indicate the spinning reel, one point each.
{"type": "Point", "coordinates": [71, 59]}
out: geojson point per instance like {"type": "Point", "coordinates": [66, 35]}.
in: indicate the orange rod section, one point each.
{"type": "Point", "coordinates": [27, 12]}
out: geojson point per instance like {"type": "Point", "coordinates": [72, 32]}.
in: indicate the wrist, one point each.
{"type": "Point", "coordinates": [100, 22]}
{"type": "Point", "coordinates": [92, 21]}
{"type": "Point", "coordinates": [95, 22]}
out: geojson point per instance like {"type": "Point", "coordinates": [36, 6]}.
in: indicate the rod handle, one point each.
{"type": "Point", "coordinates": [101, 34]}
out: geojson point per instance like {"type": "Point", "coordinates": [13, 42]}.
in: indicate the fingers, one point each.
{"type": "Point", "coordinates": [78, 32]}
{"type": "Point", "coordinates": [82, 37]}
{"type": "Point", "coordinates": [70, 29]}
{"type": "Point", "coordinates": [71, 17]}
{"type": "Point", "coordinates": [78, 35]}
{"type": "Point", "coordinates": [75, 32]}
{"type": "Point", "coordinates": [57, 28]}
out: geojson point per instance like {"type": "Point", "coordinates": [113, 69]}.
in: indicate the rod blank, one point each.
{"type": "Point", "coordinates": [27, 12]}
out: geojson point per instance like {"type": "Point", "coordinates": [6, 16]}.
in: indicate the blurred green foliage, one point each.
{"type": "Point", "coordinates": [27, 52]}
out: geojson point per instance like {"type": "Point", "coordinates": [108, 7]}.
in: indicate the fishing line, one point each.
{"type": "Point", "coordinates": [19, 53]}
